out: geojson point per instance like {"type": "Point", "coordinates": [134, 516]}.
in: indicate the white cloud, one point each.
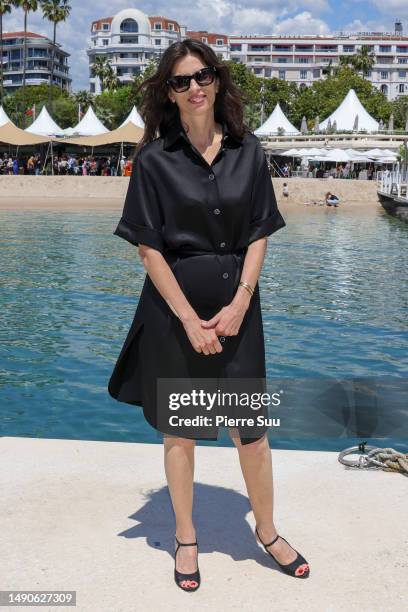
{"type": "Point", "coordinates": [368, 26]}
{"type": "Point", "coordinates": [303, 23]}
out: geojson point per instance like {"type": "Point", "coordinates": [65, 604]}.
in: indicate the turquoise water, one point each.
{"type": "Point", "coordinates": [334, 297]}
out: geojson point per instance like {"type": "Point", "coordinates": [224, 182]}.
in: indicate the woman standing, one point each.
{"type": "Point", "coordinates": [199, 206]}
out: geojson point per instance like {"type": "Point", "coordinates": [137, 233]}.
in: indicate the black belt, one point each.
{"type": "Point", "coordinates": [187, 252]}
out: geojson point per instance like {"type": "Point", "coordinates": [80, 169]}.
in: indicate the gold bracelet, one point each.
{"type": "Point", "coordinates": [247, 287]}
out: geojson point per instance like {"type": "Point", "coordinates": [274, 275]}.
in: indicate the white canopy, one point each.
{"type": "Point", "coordinates": [4, 117]}
{"type": "Point", "coordinates": [301, 152]}
{"type": "Point", "coordinates": [89, 125]}
{"type": "Point", "coordinates": [345, 115]}
{"type": "Point", "coordinates": [379, 153]}
{"type": "Point", "coordinates": [134, 117]}
{"type": "Point", "coordinates": [277, 119]}
{"type": "Point", "coordinates": [45, 125]}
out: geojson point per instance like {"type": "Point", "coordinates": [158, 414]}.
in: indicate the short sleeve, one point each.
{"type": "Point", "coordinates": [265, 217]}
{"type": "Point", "coordinates": [141, 221]}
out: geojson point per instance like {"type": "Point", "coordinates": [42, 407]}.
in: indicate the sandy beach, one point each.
{"type": "Point", "coordinates": [104, 193]}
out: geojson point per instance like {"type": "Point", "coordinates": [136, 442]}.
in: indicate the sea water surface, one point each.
{"type": "Point", "coordinates": [334, 302]}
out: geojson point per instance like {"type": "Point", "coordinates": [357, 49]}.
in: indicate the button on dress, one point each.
{"type": "Point", "coordinates": [202, 218]}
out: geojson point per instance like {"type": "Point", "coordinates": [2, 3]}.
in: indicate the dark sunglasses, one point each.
{"type": "Point", "coordinates": [202, 77]}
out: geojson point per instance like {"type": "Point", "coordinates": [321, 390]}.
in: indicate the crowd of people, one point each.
{"type": "Point", "coordinates": [86, 165]}
{"type": "Point", "coordinates": [347, 170]}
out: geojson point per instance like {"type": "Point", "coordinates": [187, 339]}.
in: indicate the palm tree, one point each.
{"type": "Point", "coordinates": [363, 60]}
{"type": "Point", "coordinates": [27, 6]}
{"type": "Point", "coordinates": [112, 82]}
{"type": "Point", "coordinates": [5, 7]}
{"type": "Point", "coordinates": [55, 11]}
{"type": "Point", "coordinates": [100, 69]}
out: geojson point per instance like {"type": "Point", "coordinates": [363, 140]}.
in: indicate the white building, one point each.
{"type": "Point", "coordinates": [38, 61]}
{"type": "Point", "coordinates": [303, 59]}
{"type": "Point", "coordinates": [131, 38]}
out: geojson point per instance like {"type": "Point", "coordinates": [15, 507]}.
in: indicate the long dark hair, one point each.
{"type": "Point", "coordinates": [158, 112]}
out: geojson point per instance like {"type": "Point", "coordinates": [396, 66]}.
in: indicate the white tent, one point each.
{"type": "Point", "coordinates": [45, 125]}
{"type": "Point", "coordinates": [379, 153]}
{"type": "Point", "coordinates": [277, 119]}
{"type": "Point", "coordinates": [133, 117]}
{"type": "Point", "coordinates": [345, 115]}
{"type": "Point", "coordinates": [4, 117]}
{"type": "Point", "coordinates": [332, 155]}
{"type": "Point", "coordinates": [301, 152]}
{"type": "Point", "coordinates": [89, 125]}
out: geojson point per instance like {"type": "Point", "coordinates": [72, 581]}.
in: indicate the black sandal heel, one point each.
{"type": "Point", "coordinates": [179, 577]}
{"type": "Point", "coordinates": [288, 568]}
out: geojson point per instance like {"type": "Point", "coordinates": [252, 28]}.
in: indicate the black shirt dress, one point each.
{"type": "Point", "coordinates": [202, 218]}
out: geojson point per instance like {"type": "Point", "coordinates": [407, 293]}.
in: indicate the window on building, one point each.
{"type": "Point", "coordinates": [105, 26]}
{"type": "Point", "coordinates": [282, 74]}
{"type": "Point", "coordinates": [105, 42]}
{"type": "Point", "coordinates": [348, 48]}
{"type": "Point", "coordinates": [401, 88]}
{"type": "Point", "coordinates": [219, 41]}
{"type": "Point", "coordinates": [384, 89]}
{"type": "Point", "coordinates": [258, 70]}
{"type": "Point", "coordinates": [303, 74]}
{"type": "Point", "coordinates": [171, 27]}
{"type": "Point", "coordinates": [282, 60]}
{"type": "Point", "coordinates": [385, 48]}
{"type": "Point", "coordinates": [157, 42]}
{"type": "Point", "coordinates": [157, 25]}
{"type": "Point", "coordinates": [129, 26]}
{"type": "Point", "coordinates": [316, 73]}
{"type": "Point", "coordinates": [204, 39]}
{"type": "Point", "coordinates": [303, 60]}
{"type": "Point", "coordinates": [403, 60]}
{"type": "Point", "coordinates": [402, 74]}
{"type": "Point", "coordinates": [235, 47]}
{"type": "Point", "coordinates": [92, 88]}
{"type": "Point", "coordinates": [384, 74]}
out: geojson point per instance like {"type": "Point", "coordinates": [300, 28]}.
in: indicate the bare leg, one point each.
{"type": "Point", "coordinates": [256, 465]}
{"type": "Point", "coordinates": [179, 468]}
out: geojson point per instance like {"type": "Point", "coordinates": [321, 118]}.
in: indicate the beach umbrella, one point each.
{"type": "Point", "coordinates": [290, 153]}
{"type": "Point", "coordinates": [391, 123]}
{"type": "Point", "coordinates": [355, 126]}
{"type": "Point", "coordinates": [303, 127]}
{"type": "Point", "coordinates": [316, 125]}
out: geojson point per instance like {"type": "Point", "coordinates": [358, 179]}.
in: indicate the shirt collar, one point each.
{"type": "Point", "coordinates": [176, 131]}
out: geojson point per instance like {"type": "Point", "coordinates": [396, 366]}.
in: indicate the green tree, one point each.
{"type": "Point", "coordinates": [363, 60]}
{"type": "Point", "coordinates": [55, 11]}
{"type": "Point", "coordinates": [400, 109]}
{"type": "Point", "coordinates": [27, 6]}
{"type": "Point", "coordinates": [5, 7]}
{"type": "Point", "coordinates": [101, 69]}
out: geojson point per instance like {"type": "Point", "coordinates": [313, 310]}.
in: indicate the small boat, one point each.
{"type": "Point", "coordinates": [392, 191]}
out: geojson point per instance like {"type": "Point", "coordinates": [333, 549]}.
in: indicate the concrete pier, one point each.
{"type": "Point", "coordinates": [96, 518]}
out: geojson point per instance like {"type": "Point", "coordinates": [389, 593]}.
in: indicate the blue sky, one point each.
{"type": "Point", "coordinates": [222, 16]}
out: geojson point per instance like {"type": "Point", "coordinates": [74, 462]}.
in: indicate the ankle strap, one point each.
{"type": "Point", "coordinates": [270, 544]}
{"type": "Point", "coordinates": [183, 544]}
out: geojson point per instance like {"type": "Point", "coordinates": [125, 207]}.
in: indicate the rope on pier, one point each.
{"type": "Point", "coordinates": [387, 459]}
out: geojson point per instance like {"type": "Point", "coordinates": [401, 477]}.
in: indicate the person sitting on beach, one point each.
{"type": "Point", "coordinates": [285, 190]}
{"type": "Point", "coordinates": [331, 199]}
